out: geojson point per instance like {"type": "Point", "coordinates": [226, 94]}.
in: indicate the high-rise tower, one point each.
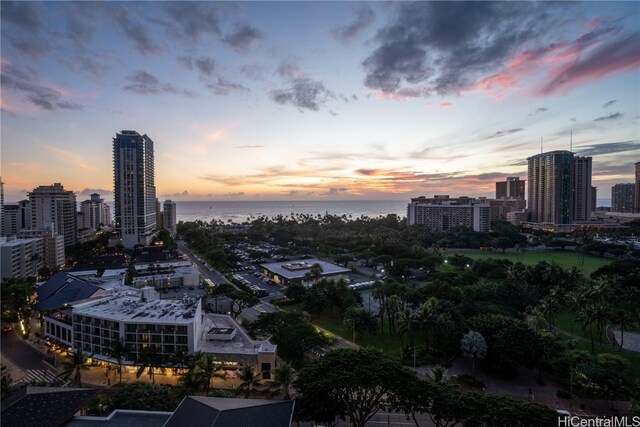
{"type": "Point", "coordinates": [637, 198]}
{"type": "Point", "coordinates": [134, 188]}
{"type": "Point", "coordinates": [54, 208]}
{"type": "Point", "coordinates": [169, 216]}
{"type": "Point", "coordinates": [559, 188]}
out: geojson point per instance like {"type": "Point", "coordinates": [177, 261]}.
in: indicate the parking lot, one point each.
{"type": "Point", "coordinates": [254, 278]}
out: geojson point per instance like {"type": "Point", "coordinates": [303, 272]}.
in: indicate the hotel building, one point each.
{"type": "Point", "coordinates": [442, 213]}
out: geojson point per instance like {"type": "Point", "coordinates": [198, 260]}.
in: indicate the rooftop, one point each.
{"type": "Point", "coordinates": [127, 307]}
{"type": "Point", "coordinates": [298, 268]}
{"type": "Point", "coordinates": [240, 344]}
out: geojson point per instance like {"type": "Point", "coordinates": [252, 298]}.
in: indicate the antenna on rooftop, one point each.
{"type": "Point", "coordinates": [541, 139]}
{"type": "Point", "coordinates": [571, 141]}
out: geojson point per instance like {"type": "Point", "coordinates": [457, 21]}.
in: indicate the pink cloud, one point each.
{"type": "Point", "coordinates": [446, 105]}
{"type": "Point", "coordinates": [249, 147]}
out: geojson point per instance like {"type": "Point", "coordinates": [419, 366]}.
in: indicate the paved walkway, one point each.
{"type": "Point", "coordinates": [631, 340]}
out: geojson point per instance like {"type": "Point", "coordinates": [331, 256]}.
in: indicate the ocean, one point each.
{"type": "Point", "coordinates": [239, 212]}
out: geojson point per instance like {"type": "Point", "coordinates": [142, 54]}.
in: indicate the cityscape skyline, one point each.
{"type": "Point", "coordinates": [268, 101]}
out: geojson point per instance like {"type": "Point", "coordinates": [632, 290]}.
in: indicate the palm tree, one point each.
{"type": "Point", "coordinates": [250, 380]}
{"type": "Point", "coordinates": [425, 315]}
{"type": "Point", "coordinates": [377, 292]}
{"type": "Point", "coordinates": [407, 322]}
{"type": "Point", "coordinates": [394, 305]}
{"type": "Point", "coordinates": [118, 351]}
{"type": "Point", "coordinates": [180, 358]}
{"type": "Point", "coordinates": [437, 375]}
{"type": "Point", "coordinates": [208, 367]}
{"type": "Point", "coordinates": [190, 382]}
{"type": "Point", "coordinates": [316, 272]}
{"type": "Point", "coordinates": [149, 359]}
{"type": "Point", "coordinates": [624, 319]}
{"type": "Point", "coordinates": [586, 316]}
{"type": "Point", "coordinates": [76, 362]}
{"type": "Point", "coordinates": [535, 318]}
{"type": "Point", "coordinates": [284, 374]}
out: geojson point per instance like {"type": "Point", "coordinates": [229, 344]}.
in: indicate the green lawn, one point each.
{"type": "Point", "coordinates": [566, 259]}
{"type": "Point", "coordinates": [583, 340]}
{"type": "Point", "coordinates": [387, 344]}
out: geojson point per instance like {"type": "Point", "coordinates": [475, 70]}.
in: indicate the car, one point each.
{"type": "Point", "coordinates": [7, 329]}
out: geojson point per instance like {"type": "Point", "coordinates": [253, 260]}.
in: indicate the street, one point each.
{"type": "Point", "coordinates": [21, 353]}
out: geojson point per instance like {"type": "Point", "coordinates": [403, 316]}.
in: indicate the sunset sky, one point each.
{"type": "Point", "coordinates": [315, 100]}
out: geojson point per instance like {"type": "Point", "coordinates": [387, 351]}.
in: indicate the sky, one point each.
{"type": "Point", "coordinates": [317, 100]}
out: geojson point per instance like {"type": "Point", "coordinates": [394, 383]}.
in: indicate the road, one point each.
{"type": "Point", "coordinates": [21, 353]}
{"type": "Point", "coordinates": [215, 276]}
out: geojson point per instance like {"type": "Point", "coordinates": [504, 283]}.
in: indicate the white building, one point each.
{"type": "Point", "coordinates": [53, 246]}
{"type": "Point", "coordinates": [52, 207]}
{"type": "Point", "coordinates": [166, 276]}
{"type": "Point", "coordinates": [141, 319]}
{"type": "Point", "coordinates": [442, 213]}
{"type": "Point", "coordinates": [21, 257]}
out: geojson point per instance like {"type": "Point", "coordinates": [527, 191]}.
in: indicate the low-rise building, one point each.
{"type": "Point", "coordinates": [288, 272]}
{"type": "Point", "coordinates": [141, 319]}
{"type": "Point", "coordinates": [166, 275]}
{"type": "Point", "coordinates": [230, 344]}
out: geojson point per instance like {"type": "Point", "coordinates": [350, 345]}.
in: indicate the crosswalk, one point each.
{"type": "Point", "coordinates": [37, 375]}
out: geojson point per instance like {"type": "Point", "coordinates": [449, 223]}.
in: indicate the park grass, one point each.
{"type": "Point", "coordinates": [582, 340]}
{"type": "Point", "coordinates": [566, 259]}
{"type": "Point", "coordinates": [390, 345]}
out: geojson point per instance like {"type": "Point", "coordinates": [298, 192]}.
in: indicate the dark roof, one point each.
{"type": "Point", "coordinates": [63, 289]}
{"type": "Point", "coordinates": [198, 411]}
{"type": "Point", "coordinates": [123, 418]}
{"type": "Point", "coordinates": [44, 406]}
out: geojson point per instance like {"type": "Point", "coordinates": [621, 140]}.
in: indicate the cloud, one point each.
{"type": "Point", "coordinates": [135, 31]}
{"type": "Point", "coordinates": [609, 148]}
{"type": "Point", "coordinates": [238, 194]}
{"type": "Point", "coordinates": [502, 133]}
{"type": "Point", "coordinates": [25, 22]}
{"type": "Point", "coordinates": [253, 71]}
{"type": "Point", "coordinates": [25, 81]}
{"type": "Point", "coordinates": [304, 93]}
{"type": "Point", "coordinates": [26, 15]}
{"type": "Point", "coordinates": [224, 87]}
{"type": "Point", "coordinates": [89, 191]}
{"type": "Point", "coordinates": [335, 191]}
{"type": "Point", "coordinates": [193, 20]}
{"type": "Point", "coordinates": [250, 147]}
{"type": "Point", "coordinates": [539, 111]}
{"type": "Point", "coordinates": [143, 83]}
{"type": "Point", "coordinates": [243, 38]}
{"type": "Point", "coordinates": [605, 58]}
{"type": "Point", "coordinates": [206, 65]}
{"type": "Point", "coordinates": [364, 18]}
{"type": "Point", "coordinates": [184, 193]}
{"type": "Point", "coordinates": [612, 116]}
{"type": "Point", "coordinates": [609, 103]}
{"type": "Point", "coordinates": [447, 46]}
{"type": "Point", "coordinates": [72, 158]}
